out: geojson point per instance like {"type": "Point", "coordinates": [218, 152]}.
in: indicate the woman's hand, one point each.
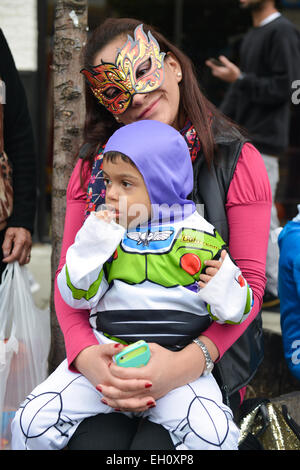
{"type": "Point", "coordinates": [92, 362]}
{"type": "Point", "coordinates": [17, 245]}
{"type": "Point", "coordinates": [96, 364]}
{"type": "Point", "coordinates": [165, 371]}
{"type": "Point", "coordinates": [228, 71]}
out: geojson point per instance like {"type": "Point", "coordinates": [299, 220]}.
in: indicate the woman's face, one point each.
{"type": "Point", "coordinates": [161, 104]}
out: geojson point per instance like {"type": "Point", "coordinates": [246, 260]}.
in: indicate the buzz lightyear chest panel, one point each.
{"type": "Point", "coordinates": [164, 256]}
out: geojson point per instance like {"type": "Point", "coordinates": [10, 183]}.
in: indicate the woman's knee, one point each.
{"type": "Point", "coordinates": [34, 420]}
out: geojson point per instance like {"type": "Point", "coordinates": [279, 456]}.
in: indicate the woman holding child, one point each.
{"type": "Point", "coordinates": [133, 73]}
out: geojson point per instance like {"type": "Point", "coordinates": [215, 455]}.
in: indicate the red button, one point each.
{"type": "Point", "coordinates": [190, 263]}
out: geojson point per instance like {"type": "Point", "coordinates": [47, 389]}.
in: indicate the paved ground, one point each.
{"type": "Point", "coordinates": [40, 269]}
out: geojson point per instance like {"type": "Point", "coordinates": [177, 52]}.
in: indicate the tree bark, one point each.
{"type": "Point", "coordinates": [69, 114]}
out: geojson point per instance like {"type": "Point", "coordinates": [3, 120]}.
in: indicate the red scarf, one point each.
{"type": "Point", "coordinates": [192, 140]}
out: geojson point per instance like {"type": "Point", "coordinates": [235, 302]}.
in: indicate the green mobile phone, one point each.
{"type": "Point", "coordinates": [134, 355]}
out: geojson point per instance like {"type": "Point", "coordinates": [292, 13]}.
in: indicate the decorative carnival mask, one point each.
{"type": "Point", "coordinates": [139, 68]}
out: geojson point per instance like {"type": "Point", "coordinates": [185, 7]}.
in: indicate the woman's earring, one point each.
{"type": "Point", "coordinates": [179, 74]}
{"type": "Point", "coordinates": [117, 118]}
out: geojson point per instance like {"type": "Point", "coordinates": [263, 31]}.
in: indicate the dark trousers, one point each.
{"type": "Point", "coordinates": [115, 431]}
{"type": "Point", "coordinates": [2, 265]}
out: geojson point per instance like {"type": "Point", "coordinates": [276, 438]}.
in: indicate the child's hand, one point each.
{"type": "Point", "coordinates": [106, 216]}
{"type": "Point", "coordinates": [213, 267]}
{"type": "Point", "coordinates": [106, 213]}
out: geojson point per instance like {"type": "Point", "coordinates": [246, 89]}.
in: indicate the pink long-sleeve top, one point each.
{"type": "Point", "coordinates": [248, 209]}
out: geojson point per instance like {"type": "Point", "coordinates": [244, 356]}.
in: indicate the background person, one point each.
{"type": "Point", "coordinates": [16, 138]}
{"type": "Point", "coordinates": [259, 99]}
{"type": "Point", "coordinates": [289, 292]}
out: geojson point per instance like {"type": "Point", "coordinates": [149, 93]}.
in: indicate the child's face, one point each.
{"type": "Point", "coordinates": [126, 192]}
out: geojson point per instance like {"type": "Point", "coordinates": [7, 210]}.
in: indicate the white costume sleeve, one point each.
{"type": "Point", "coordinates": [228, 296]}
{"type": "Point", "coordinates": [82, 281]}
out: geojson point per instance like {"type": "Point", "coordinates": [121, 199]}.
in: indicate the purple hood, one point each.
{"type": "Point", "coordinates": [162, 156]}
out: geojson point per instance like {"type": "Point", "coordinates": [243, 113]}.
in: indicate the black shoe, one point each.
{"type": "Point", "coordinates": [271, 303]}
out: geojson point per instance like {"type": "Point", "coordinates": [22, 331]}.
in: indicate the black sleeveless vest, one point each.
{"type": "Point", "coordinates": [239, 364]}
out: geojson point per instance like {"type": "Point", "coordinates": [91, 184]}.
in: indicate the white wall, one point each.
{"type": "Point", "coordinates": [18, 21]}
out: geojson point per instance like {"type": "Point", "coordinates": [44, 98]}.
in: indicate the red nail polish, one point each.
{"type": "Point", "coordinates": [117, 409]}
{"type": "Point", "coordinates": [99, 388]}
{"type": "Point", "coordinates": [148, 385]}
{"type": "Point", "coordinates": [117, 345]}
{"type": "Point", "coordinates": [104, 401]}
{"type": "Point", "coordinates": [150, 403]}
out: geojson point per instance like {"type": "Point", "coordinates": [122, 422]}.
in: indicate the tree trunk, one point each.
{"type": "Point", "coordinates": [69, 113]}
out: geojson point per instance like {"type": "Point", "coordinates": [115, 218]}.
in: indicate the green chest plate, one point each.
{"type": "Point", "coordinates": [176, 260]}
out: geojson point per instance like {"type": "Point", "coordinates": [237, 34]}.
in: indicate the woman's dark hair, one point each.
{"type": "Point", "coordinates": [100, 124]}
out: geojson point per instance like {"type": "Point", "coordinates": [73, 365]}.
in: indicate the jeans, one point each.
{"type": "Point", "coordinates": [272, 167]}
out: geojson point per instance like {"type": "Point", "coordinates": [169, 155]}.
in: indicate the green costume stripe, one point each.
{"type": "Point", "coordinates": [248, 301]}
{"type": "Point", "coordinates": [114, 338]}
{"type": "Point", "coordinates": [211, 315]}
{"type": "Point", "coordinates": [81, 293]}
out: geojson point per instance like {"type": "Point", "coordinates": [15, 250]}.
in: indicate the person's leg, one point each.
{"type": "Point", "coordinates": [113, 431]}
{"type": "Point", "coordinates": [116, 431]}
{"type": "Point", "coordinates": [272, 168]}
{"type": "Point", "coordinates": [151, 436]}
{"type": "Point", "coordinates": [196, 417]}
{"type": "Point", "coordinates": [49, 416]}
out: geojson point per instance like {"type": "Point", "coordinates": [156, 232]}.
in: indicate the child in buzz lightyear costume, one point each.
{"type": "Point", "coordinates": [144, 278]}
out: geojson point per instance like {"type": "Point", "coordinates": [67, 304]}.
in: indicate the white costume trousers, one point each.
{"type": "Point", "coordinates": [194, 414]}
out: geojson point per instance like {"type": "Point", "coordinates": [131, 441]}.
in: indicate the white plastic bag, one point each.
{"type": "Point", "coordinates": [24, 344]}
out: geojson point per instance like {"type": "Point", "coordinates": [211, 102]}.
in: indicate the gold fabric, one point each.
{"type": "Point", "coordinates": [277, 434]}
